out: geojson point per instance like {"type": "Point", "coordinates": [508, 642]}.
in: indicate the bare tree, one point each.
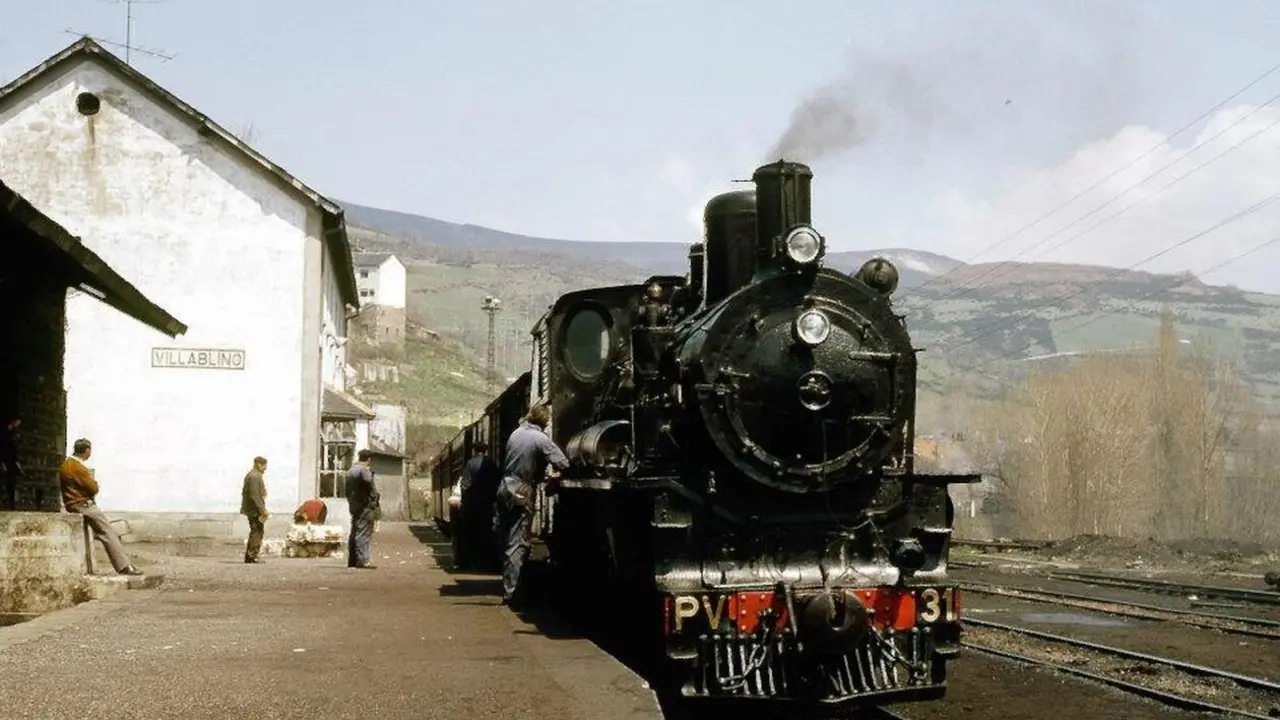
{"type": "Point", "coordinates": [1165, 443]}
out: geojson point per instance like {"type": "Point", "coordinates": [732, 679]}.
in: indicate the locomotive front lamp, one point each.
{"type": "Point", "coordinates": [812, 327]}
{"type": "Point", "coordinates": [803, 245]}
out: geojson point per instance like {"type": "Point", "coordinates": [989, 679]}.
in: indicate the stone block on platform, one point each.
{"type": "Point", "coordinates": [314, 540]}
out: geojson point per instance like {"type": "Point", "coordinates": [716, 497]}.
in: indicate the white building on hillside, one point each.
{"type": "Point", "coordinates": [255, 262]}
{"type": "Point", "coordinates": [381, 278]}
{"type": "Point", "coordinates": [382, 281]}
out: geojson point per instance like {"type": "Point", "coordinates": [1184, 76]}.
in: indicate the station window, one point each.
{"type": "Point", "coordinates": [587, 342]}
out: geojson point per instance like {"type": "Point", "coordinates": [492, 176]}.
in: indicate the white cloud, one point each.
{"type": "Point", "coordinates": [965, 226]}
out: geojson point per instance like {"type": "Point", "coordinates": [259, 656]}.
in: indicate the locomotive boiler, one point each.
{"type": "Point", "coordinates": [742, 499]}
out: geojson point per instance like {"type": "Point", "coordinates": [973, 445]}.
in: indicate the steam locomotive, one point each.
{"type": "Point", "coordinates": [742, 496]}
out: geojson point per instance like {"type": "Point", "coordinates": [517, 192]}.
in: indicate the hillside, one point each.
{"type": "Point", "coordinates": [980, 325]}
{"type": "Point", "coordinates": [439, 385]}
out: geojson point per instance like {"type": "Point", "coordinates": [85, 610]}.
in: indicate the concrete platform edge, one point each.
{"type": "Point", "coordinates": [581, 684]}
{"type": "Point", "coordinates": [59, 620]}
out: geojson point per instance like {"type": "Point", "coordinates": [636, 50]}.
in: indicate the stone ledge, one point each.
{"type": "Point", "coordinates": [107, 584]}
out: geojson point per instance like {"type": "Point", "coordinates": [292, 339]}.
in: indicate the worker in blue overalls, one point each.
{"type": "Point", "coordinates": [529, 451]}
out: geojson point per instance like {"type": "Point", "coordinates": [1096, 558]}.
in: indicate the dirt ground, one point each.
{"type": "Point", "coordinates": [1196, 556]}
{"type": "Point", "coordinates": [1200, 562]}
{"type": "Point", "coordinates": [982, 687]}
{"type": "Point", "coordinates": [1259, 657]}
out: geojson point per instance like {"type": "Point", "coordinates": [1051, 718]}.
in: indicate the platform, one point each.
{"type": "Point", "coordinates": [308, 638]}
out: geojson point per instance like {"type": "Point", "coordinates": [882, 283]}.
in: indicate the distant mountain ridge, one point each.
{"type": "Point", "coordinates": [981, 325]}
{"type": "Point", "coordinates": [658, 257]}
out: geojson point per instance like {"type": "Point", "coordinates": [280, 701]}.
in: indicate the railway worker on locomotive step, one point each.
{"type": "Point", "coordinates": [529, 451]}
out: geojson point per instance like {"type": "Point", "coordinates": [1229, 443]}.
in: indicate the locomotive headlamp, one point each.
{"type": "Point", "coordinates": [812, 327]}
{"type": "Point", "coordinates": [803, 245]}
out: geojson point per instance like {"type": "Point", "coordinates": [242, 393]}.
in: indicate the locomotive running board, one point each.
{"type": "Point", "coordinates": [939, 479]}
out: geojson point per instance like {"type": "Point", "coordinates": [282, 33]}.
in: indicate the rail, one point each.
{"type": "Point", "coordinates": [1000, 544]}
{"type": "Point", "coordinates": [1258, 686]}
{"type": "Point", "coordinates": [881, 713]}
{"type": "Point", "coordinates": [1233, 624]}
{"type": "Point", "coordinates": [1165, 587]}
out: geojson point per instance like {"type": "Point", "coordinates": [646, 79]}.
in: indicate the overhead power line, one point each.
{"type": "Point", "coordinates": [1004, 263]}
{"type": "Point", "coordinates": [1116, 172]}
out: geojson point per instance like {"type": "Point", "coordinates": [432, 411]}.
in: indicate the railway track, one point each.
{"type": "Point", "coordinates": [1165, 587]}
{"type": "Point", "coordinates": [675, 709]}
{"type": "Point", "coordinates": [1253, 627]}
{"type": "Point", "coordinates": [1173, 682]}
{"type": "Point", "coordinates": [884, 714]}
{"type": "Point", "coordinates": [998, 545]}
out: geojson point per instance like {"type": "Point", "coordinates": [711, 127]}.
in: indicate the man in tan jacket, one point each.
{"type": "Point", "coordinates": [253, 505]}
{"type": "Point", "coordinates": [79, 488]}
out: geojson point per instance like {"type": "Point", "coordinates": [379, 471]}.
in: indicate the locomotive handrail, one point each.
{"type": "Point", "coordinates": [937, 479]}
{"type": "Point", "coordinates": [875, 356]}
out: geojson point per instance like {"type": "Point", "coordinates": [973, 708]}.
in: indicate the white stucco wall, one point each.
{"type": "Point", "coordinates": [209, 239]}
{"type": "Point", "coordinates": [391, 283]}
{"type": "Point", "coordinates": [367, 283]}
{"type": "Point", "coordinates": [333, 335]}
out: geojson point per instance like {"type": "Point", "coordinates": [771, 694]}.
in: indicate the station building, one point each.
{"type": "Point", "coordinates": [256, 264]}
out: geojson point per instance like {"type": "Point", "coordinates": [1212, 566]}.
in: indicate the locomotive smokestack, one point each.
{"type": "Point", "coordinates": [782, 192]}
{"type": "Point", "coordinates": [696, 269]}
{"type": "Point", "coordinates": [730, 258]}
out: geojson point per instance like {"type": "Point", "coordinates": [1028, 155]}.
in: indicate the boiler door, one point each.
{"type": "Point", "coordinates": [800, 413]}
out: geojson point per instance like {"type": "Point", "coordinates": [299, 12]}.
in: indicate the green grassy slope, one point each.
{"type": "Point", "coordinates": [440, 386]}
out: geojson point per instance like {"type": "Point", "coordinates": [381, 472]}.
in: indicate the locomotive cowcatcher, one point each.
{"type": "Point", "coordinates": [742, 504]}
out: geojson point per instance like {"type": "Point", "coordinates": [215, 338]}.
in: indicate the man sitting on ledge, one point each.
{"type": "Point", "coordinates": [79, 488]}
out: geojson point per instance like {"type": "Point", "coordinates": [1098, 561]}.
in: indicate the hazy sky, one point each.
{"type": "Point", "coordinates": [950, 123]}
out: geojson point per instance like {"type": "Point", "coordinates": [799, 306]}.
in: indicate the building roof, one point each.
{"type": "Point", "coordinates": [371, 259]}
{"type": "Point", "coordinates": [340, 405]}
{"type": "Point", "coordinates": [333, 220]}
{"type": "Point", "coordinates": [83, 267]}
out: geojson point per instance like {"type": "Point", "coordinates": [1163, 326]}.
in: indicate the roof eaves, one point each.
{"type": "Point", "coordinates": [108, 285]}
{"type": "Point", "coordinates": [337, 404]}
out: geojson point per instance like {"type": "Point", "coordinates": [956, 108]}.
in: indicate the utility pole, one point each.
{"type": "Point", "coordinates": [491, 306]}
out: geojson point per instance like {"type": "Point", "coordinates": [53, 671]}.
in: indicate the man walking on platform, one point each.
{"type": "Point", "coordinates": [79, 488]}
{"type": "Point", "coordinates": [362, 501]}
{"type": "Point", "coordinates": [253, 505]}
{"type": "Point", "coordinates": [529, 451]}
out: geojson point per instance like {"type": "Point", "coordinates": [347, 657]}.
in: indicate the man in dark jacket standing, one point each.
{"type": "Point", "coordinates": [529, 451]}
{"type": "Point", "coordinates": [480, 479]}
{"type": "Point", "coordinates": [253, 505]}
{"type": "Point", "coordinates": [362, 501]}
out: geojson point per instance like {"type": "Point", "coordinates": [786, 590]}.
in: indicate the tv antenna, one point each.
{"type": "Point", "coordinates": [128, 46]}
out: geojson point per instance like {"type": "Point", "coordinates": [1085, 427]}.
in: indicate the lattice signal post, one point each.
{"type": "Point", "coordinates": [491, 306]}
